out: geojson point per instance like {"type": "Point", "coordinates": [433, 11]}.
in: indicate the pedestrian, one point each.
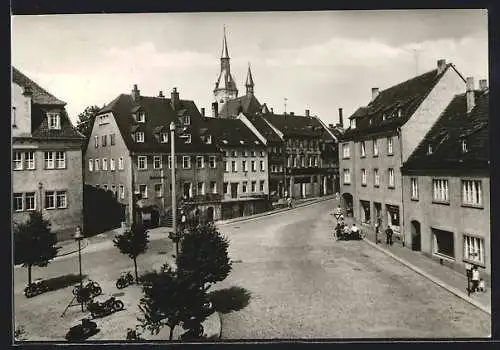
{"type": "Point", "coordinates": [389, 233]}
{"type": "Point", "coordinates": [377, 230]}
{"type": "Point", "coordinates": [475, 279]}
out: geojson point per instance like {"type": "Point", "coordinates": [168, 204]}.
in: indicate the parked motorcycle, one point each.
{"type": "Point", "coordinates": [36, 287]}
{"type": "Point", "coordinates": [125, 280]}
{"type": "Point", "coordinates": [105, 308]}
{"type": "Point", "coordinates": [89, 290]}
{"type": "Point", "coordinates": [82, 331]}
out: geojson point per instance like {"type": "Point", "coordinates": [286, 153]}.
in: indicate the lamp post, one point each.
{"type": "Point", "coordinates": [174, 202]}
{"type": "Point", "coordinates": [78, 237]}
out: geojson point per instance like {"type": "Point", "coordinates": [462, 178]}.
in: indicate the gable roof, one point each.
{"type": "Point", "coordinates": [231, 132]}
{"type": "Point", "coordinates": [446, 135]}
{"type": "Point", "coordinates": [159, 114]}
{"type": "Point", "coordinates": [39, 94]}
{"type": "Point", "coordinates": [394, 106]}
{"type": "Point", "coordinates": [247, 104]}
{"type": "Point", "coordinates": [295, 125]}
{"type": "Point", "coordinates": [263, 127]}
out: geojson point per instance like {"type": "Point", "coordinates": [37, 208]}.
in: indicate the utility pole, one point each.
{"type": "Point", "coordinates": [285, 103]}
{"type": "Point", "coordinates": [172, 162]}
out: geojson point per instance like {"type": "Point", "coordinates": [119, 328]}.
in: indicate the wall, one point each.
{"type": "Point", "coordinates": [23, 112]}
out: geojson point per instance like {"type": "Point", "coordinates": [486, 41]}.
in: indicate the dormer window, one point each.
{"type": "Point", "coordinates": [464, 146]}
{"type": "Point", "coordinates": [353, 123]}
{"type": "Point", "coordinates": [164, 137]}
{"type": "Point", "coordinates": [429, 149]}
{"type": "Point", "coordinates": [141, 117]}
{"type": "Point", "coordinates": [54, 121]}
{"type": "Point", "coordinates": [400, 112]}
{"type": "Point", "coordinates": [139, 137]}
{"type": "Point", "coordinates": [188, 138]}
{"type": "Point", "coordinates": [208, 139]}
{"type": "Point", "coordinates": [186, 120]}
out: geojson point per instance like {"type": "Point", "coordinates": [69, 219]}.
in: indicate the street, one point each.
{"type": "Point", "coordinates": [304, 284]}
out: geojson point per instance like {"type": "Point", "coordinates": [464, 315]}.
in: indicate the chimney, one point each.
{"type": "Point", "coordinates": [341, 119]}
{"type": "Point", "coordinates": [470, 93]}
{"type": "Point", "coordinates": [307, 113]}
{"type": "Point", "coordinates": [174, 98]}
{"type": "Point", "coordinates": [374, 93]}
{"type": "Point", "coordinates": [441, 66]}
{"type": "Point", "coordinates": [215, 111]}
{"type": "Point", "coordinates": [331, 126]}
{"type": "Point", "coordinates": [160, 94]}
{"type": "Point", "coordinates": [483, 85]}
{"type": "Point", "coordinates": [292, 113]}
{"type": "Point", "coordinates": [272, 110]}
{"type": "Point", "coordinates": [136, 93]}
{"type": "Point", "coordinates": [203, 111]}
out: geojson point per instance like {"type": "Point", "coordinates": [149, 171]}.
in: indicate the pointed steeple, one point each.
{"type": "Point", "coordinates": [224, 53]}
{"type": "Point", "coordinates": [225, 87]}
{"type": "Point", "coordinates": [249, 83]}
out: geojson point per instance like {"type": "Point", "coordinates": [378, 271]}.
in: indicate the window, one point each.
{"type": "Point", "coordinates": [97, 186]}
{"type": "Point", "coordinates": [18, 202]}
{"type": "Point", "coordinates": [120, 163]}
{"type": "Point", "coordinates": [346, 150]}
{"type": "Point", "coordinates": [103, 119]}
{"type": "Point", "coordinates": [261, 185]}
{"type": "Point", "coordinates": [200, 162]}
{"type": "Point", "coordinates": [13, 116]}
{"type": "Point", "coordinates": [91, 165]}
{"type": "Point", "coordinates": [464, 146]}
{"type": "Point", "coordinates": [18, 161]}
{"type": "Point", "coordinates": [211, 162]}
{"type": "Point", "coordinates": [30, 203]}
{"type": "Point", "coordinates": [347, 176]}
{"type": "Point", "coordinates": [244, 165]}
{"type": "Point", "coordinates": [141, 117]}
{"type": "Point", "coordinates": [54, 121]}
{"type": "Point", "coordinates": [50, 200]}
{"type": "Point", "coordinates": [310, 161]}
{"type": "Point", "coordinates": [104, 140]}
{"type": "Point", "coordinates": [375, 148]}
{"type": "Point", "coordinates": [254, 165]}
{"type": "Point", "coordinates": [443, 243]}
{"type": "Point", "coordinates": [113, 189]}
{"type": "Point", "coordinates": [391, 177]}
{"type": "Point", "coordinates": [262, 153]}
{"type": "Point", "coordinates": [353, 123]}
{"type": "Point", "coordinates": [29, 160]}
{"type": "Point", "coordinates": [414, 188]}
{"type": "Point", "coordinates": [157, 162]}
{"type": "Point", "coordinates": [60, 160]}
{"type": "Point", "coordinates": [294, 161]}
{"type": "Point", "coordinates": [315, 160]}
{"type": "Point", "coordinates": [164, 137]}
{"type": "Point", "coordinates": [112, 140]}
{"type": "Point", "coordinates": [440, 190]}
{"type": "Point", "coordinates": [363, 177]}
{"type": "Point", "coordinates": [254, 153]}
{"type": "Point", "coordinates": [429, 149]}
{"type": "Point", "coordinates": [389, 145]}
{"type": "Point", "coordinates": [226, 187]}
{"type": "Point", "coordinates": [112, 165]}
{"type": "Point", "coordinates": [96, 165]}
{"type": "Point", "coordinates": [303, 161]}
{"type": "Point", "coordinates": [213, 186]}
{"type": "Point", "coordinates": [474, 249]}
{"type": "Point", "coordinates": [142, 162]}
{"type": "Point", "coordinates": [188, 138]}
{"type": "Point", "coordinates": [186, 120]}
{"type": "Point", "coordinates": [235, 153]}
{"type": "Point", "coordinates": [472, 192]}
{"type": "Point", "coordinates": [262, 167]}
{"type": "Point", "coordinates": [226, 166]}
{"type": "Point", "coordinates": [105, 187]}
{"type": "Point", "coordinates": [254, 186]}
{"type": "Point", "coordinates": [244, 187]}
{"type": "Point", "coordinates": [234, 167]}
{"type": "Point", "coordinates": [363, 149]}
{"type": "Point", "coordinates": [121, 188]}
{"type": "Point", "coordinates": [158, 190]}
{"type": "Point", "coordinates": [49, 160]}
{"type": "Point", "coordinates": [208, 139]}
{"type": "Point", "coordinates": [104, 164]}
{"type": "Point", "coordinates": [143, 190]}
{"type": "Point", "coordinates": [169, 161]}
{"type": "Point", "coordinates": [96, 141]}
{"type": "Point", "coordinates": [139, 137]}
{"type": "Point", "coordinates": [201, 188]}
{"type": "Point", "coordinates": [186, 162]}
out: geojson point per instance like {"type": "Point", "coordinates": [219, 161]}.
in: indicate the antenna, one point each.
{"type": "Point", "coordinates": [285, 103]}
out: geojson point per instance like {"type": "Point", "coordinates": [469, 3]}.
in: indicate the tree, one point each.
{"type": "Point", "coordinates": [86, 119]}
{"type": "Point", "coordinates": [34, 243]}
{"type": "Point", "coordinates": [133, 243]}
{"type": "Point", "coordinates": [204, 255]}
{"type": "Point", "coordinates": [171, 298]}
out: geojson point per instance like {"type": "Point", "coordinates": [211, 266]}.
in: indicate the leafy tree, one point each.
{"type": "Point", "coordinates": [34, 243]}
{"type": "Point", "coordinates": [204, 255]}
{"type": "Point", "coordinates": [85, 120]}
{"type": "Point", "coordinates": [133, 243]}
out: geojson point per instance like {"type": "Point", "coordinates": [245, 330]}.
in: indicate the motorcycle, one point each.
{"type": "Point", "coordinates": [37, 287]}
{"type": "Point", "coordinates": [82, 331]}
{"type": "Point", "coordinates": [124, 280]}
{"type": "Point", "coordinates": [105, 308]}
{"type": "Point", "coordinates": [90, 290]}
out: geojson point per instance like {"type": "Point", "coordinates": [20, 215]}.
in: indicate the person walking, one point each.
{"type": "Point", "coordinates": [377, 230]}
{"type": "Point", "coordinates": [475, 279]}
{"type": "Point", "coordinates": [389, 233]}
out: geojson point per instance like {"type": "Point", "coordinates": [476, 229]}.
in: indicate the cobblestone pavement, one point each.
{"type": "Point", "coordinates": [304, 284]}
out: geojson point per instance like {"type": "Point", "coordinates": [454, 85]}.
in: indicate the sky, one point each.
{"type": "Point", "coordinates": [321, 61]}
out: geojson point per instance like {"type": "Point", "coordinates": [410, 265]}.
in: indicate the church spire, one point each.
{"type": "Point", "coordinates": [224, 53]}
{"type": "Point", "coordinates": [249, 83]}
{"type": "Point", "coordinates": [225, 87]}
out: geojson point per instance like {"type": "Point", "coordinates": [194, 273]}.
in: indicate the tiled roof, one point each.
{"type": "Point", "coordinates": [394, 106]}
{"type": "Point", "coordinates": [39, 94]}
{"type": "Point", "coordinates": [159, 113]}
{"type": "Point", "coordinates": [295, 125]}
{"type": "Point", "coordinates": [247, 104]}
{"type": "Point", "coordinates": [446, 136]}
{"type": "Point", "coordinates": [263, 127]}
{"type": "Point", "coordinates": [231, 132]}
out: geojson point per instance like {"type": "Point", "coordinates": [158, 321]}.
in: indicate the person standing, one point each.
{"type": "Point", "coordinates": [475, 279]}
{"type": "Point", "coordinates": [389, 233]}
{"type": "Point", "coordinates": [377, 230]}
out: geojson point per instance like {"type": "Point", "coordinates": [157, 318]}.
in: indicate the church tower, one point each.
{"type": "Point", "coordinates": [249, 83]}
{"type": "Point", "coordinates": [225, 87]}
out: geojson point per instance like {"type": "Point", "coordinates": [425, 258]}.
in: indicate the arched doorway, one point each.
{"type": "Point", "coordinates": [348, 203]}
{"type": "Point", "coordinates": [210, 213]}
{"type": "Point", "coordinates": [415, 235]}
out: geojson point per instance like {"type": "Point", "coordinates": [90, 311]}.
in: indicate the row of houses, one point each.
{"type": "Point", "coordinates": [416, 159]}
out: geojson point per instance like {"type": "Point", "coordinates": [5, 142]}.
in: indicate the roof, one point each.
{"type": "Point", "coordinates": [247, 103]}
{"type": "Point", "coordinates": [159, 113]}
{"type": "Point", "coordinates": [446, 135]}
{"type": "Point", "coordinates": [394, 106]}
{"type": "Point", "coordinates": [263, 127]}
{"type": "Point", "coordinates": [39, 94]}
{"type": "Point", "coordinates": [231, 132]}
{"type": "Point", "coordinates": [294, 125]}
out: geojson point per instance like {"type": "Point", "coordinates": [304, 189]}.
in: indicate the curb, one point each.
{"type": "Point", "coordinates": [84, 245]}
{"type": "Point", "coordinates": [433, 279]}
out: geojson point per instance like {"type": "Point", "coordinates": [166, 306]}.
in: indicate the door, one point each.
{"type": "Point", "coordinates": [210, 214]}
{"type": "Point", "coordinates": [234, 189]}
{"type": "Point", "coordinates": [415, 235]}
{"type": "Point", "coordinates": [303, 190]}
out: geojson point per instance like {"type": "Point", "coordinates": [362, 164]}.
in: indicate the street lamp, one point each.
{"type": "Point", "coordinates": [78, 237]}
{"type": "Point", "coordinates": [174, 202]}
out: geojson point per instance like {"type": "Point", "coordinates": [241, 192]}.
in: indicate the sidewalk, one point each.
{"type": "Point", "coordinates": [444, 276]}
